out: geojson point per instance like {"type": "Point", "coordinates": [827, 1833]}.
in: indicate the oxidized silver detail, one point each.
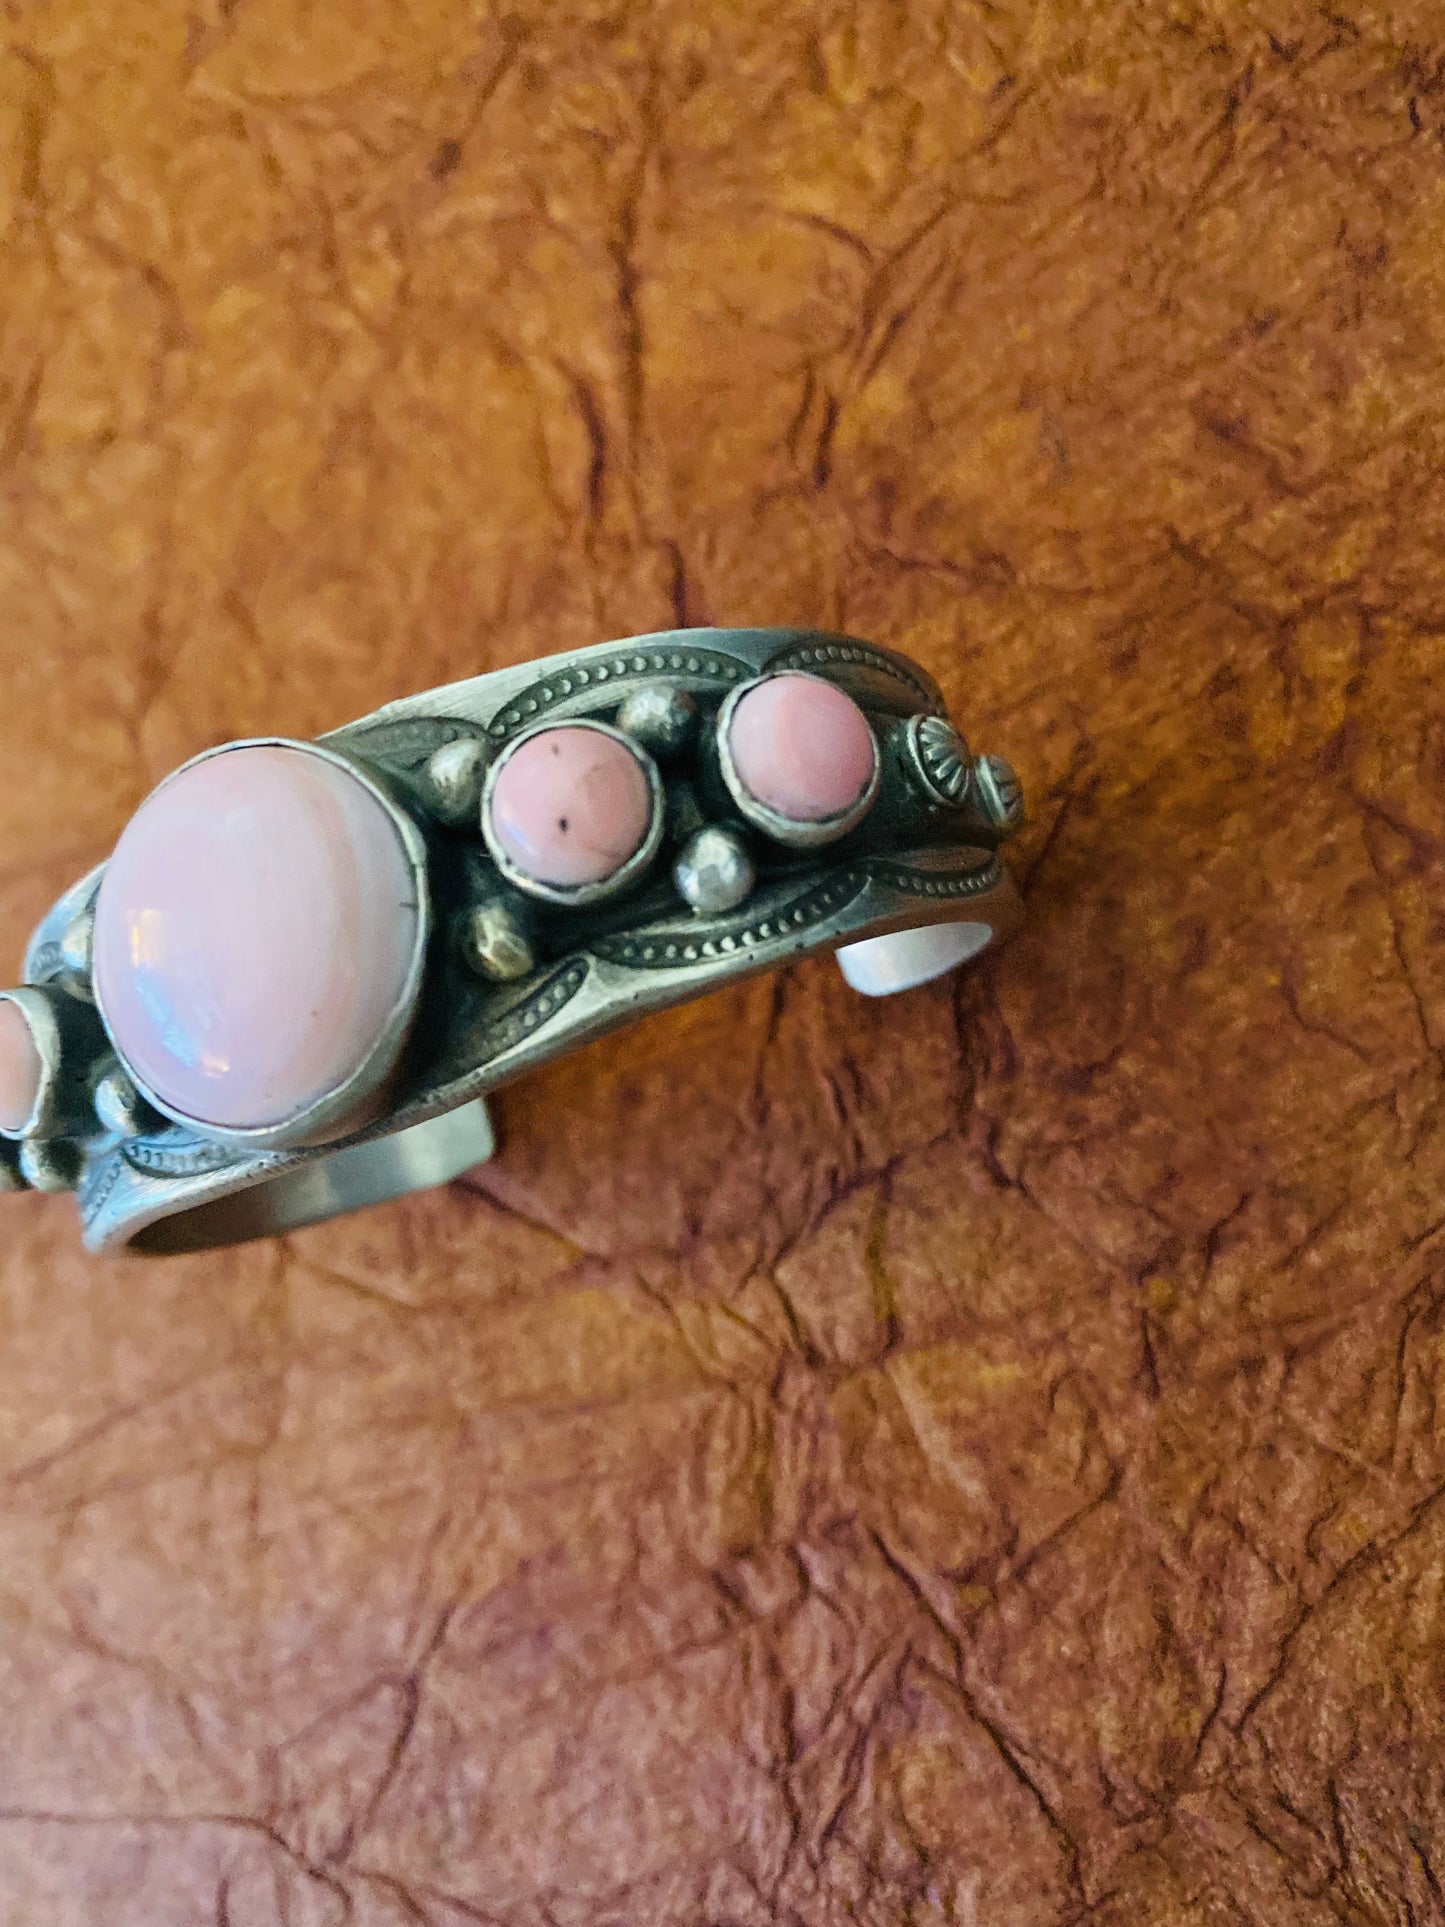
{"type": "Point", "coordinates": [50, 1164]}
{"type": "Point", "coordinates": [546, 1002]}
{"type": "Point", "coordinates": [44, 963]}
{"type": "Point", "coordinates": [182, 1155]}
{"type": "Point", "coordinates": [948, 884]}
{"type": "Point", "coordinates": [781, 911]}
{"type": "Point", "coordinates": [683, 812]}
{"type": "Point", "coordinates": [497, 1035]}
{"type": "Point", "coordinates": [714, 872]}
{"type": "Point", "coordinates": [178, 1154]}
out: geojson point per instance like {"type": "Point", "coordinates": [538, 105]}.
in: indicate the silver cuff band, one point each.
{"type": "Point", "coordinates": [512, 964]}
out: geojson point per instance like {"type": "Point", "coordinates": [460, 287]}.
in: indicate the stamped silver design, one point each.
{"type": "Point", "coordinates": [843, 652]}
{"type": "Point", "coordinates": [608, 672]}
{"type": "Point", "coordinates": [498, 1034]}
{"type": "Point", "coordinates": [778, 916]}
{"type": "Point", "coordinates": [938, 760]}
{"type": "Point", "coordinates": [1000, 792]}
{"type": "Point", "coordinates": [180, 1154]}
{"type": "Point", "coordinates": [403, 745]}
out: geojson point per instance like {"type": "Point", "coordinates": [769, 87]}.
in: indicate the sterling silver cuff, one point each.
{"type": "Point", "coordinates": [305, 964]}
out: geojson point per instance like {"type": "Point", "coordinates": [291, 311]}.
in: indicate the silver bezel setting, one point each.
{"type": "Point", "coordinates": [344, 1105]}
{"type": "Point", "coordinates": [451, 781]}
{"type": "Point", "coordinates": [39, 1014]}
{"type": "Point", "coordinates": [796, 835]}
{"type": "Point", "coordinates": [714, 871]}
{"type": "Point", "coordinates": [578, 895]}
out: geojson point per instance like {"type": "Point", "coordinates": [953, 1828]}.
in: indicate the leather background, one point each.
{"type": "Point", "coordinates": [974, 1461]}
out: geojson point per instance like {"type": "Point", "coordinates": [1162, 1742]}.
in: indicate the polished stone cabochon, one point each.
{"type": "Point", "coordinates": [255, 931]}
{"type": "Point", "coordinates": [802, 747]}
{"type": "Point", "coordinates": [570, 805]}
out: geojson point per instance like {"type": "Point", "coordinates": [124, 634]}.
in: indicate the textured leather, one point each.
{"type": "Point", "coordinates": [974, 1459]}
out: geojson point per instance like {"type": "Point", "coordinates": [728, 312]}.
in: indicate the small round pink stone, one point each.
{"type": "Point", "coordinates": [19, 1068]}
{"type": "Point", "coordinates": [570, 806]}
{"type": "Point", "coordinates": [802, 747]}
{"type": "Point", "coordinates": [254, 933]}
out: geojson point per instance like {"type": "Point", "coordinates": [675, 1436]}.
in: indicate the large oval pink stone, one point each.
{"type": "Point", "coordinates": [570, 805]}
{"type": "Point", "coordinates": [802, 747]}
{"type": "Point", "coordinates": [254, 934]}
{"type": "Point", "coordinates": [19, 1068]}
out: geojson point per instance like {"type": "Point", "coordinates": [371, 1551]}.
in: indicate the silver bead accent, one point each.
{"type": "Point", "coordinates": [452, 781]}
{"type": "Point", "coordinates": [1000, 792]}
{"type": "Point", "coordinates": [714, 871]}
{"type": "Point", "coordinates": [659, 717]}
{"type": "Point", "coordinates": [119, 1106]}
{"type": "Point", "coordinates": [494, 942]}
{"type": "Point", "coordinates": [77, 951]}
{"type": "Point", "coordinates": [50, 1164]}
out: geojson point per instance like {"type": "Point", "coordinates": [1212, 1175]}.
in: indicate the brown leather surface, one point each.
{"type": "Point", "coordinates": [974, 1459]}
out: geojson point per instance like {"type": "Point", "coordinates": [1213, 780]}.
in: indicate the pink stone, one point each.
{"type": "Point", "coordinates": [802, 747]}
{"type": "Point", "coordinates": [19, 1068]}
{"type": "Point", "coordinates": [254, 934]}
{"type": "Point", "coordinates": [570, 805]}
